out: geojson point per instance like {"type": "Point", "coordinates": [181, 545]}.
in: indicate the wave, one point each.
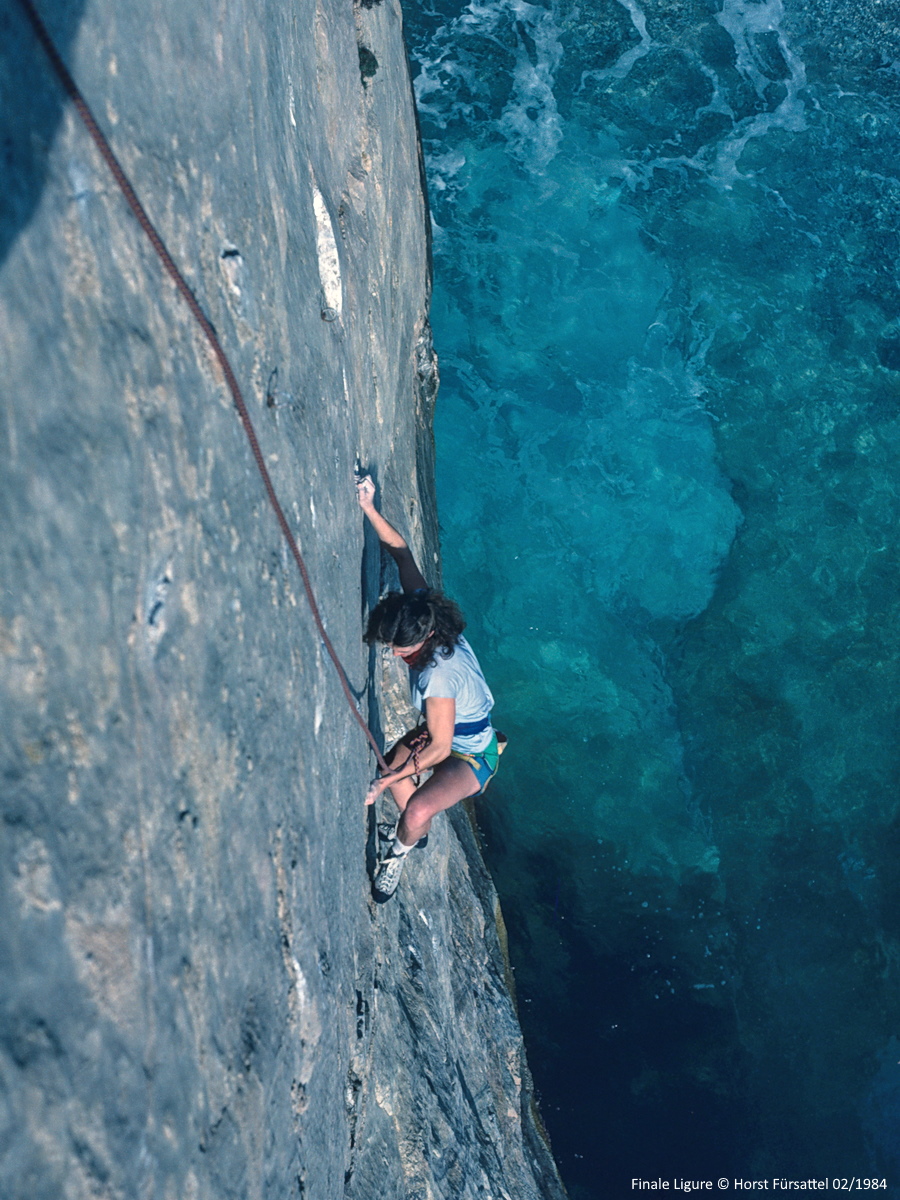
{"type": "Point", "coordinates": [460, 83]}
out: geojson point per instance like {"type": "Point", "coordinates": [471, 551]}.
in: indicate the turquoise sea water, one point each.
{"type": "Point", "coordinates": [667, 308]}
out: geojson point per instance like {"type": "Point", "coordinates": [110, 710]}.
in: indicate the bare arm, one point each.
{"type": "Point", "coordinates": [440, 716]}
{"type": "Point", "coordinates": [411, 578]}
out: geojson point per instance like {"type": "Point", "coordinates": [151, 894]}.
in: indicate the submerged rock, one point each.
{"type": "Point", "coordinates": [199, 998]}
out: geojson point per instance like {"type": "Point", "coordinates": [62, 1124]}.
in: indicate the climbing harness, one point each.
{"type": "Point", "coordinates": [484, 764]}
{"type": "Point", "coordinates": [71, 89]}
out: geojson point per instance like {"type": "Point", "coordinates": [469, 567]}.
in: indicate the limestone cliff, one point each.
{"type": "Point", "coordinates": [199, 999]}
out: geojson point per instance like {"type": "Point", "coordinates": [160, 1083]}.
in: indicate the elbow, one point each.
{"type": "Point", "coordinates": [441, 750]}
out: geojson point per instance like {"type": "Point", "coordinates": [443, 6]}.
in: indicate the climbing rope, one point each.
{"type": "Point", "coordinates": [205, 324]}
{"type": "Point", "coordinates": [416, 744]}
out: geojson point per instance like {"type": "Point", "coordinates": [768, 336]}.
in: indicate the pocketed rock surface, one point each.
{"type": "Point", "coordinates": [198, 998]}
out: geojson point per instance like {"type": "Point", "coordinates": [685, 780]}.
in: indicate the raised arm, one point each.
{"type": "Point", "coordinates": [411, 578]}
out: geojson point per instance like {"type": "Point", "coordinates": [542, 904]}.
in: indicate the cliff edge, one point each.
{"type": "Point", "coordinates": [198, 998]}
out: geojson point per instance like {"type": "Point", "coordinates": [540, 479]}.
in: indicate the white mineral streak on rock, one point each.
{"type": "Point", "coordinates": [232, 267]}
{"type": "Point", "coordinates": [25, 668]}
{"type": "Point", "coordinates": [308, 1025]}
{"type": "Point", "coordinates": [383, 1098]}
{"type": "Point", "coordinates": [329, 264]}
{"type": "Point", "coordinates": [33, 879]}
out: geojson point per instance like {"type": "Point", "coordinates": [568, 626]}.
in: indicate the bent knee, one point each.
{"type": "Point", "coordinates": [419, 810]}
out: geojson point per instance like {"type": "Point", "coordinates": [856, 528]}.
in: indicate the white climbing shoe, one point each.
{"type": "Point", "coordinates": [387, 876]}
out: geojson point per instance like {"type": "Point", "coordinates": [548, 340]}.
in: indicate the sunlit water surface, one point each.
{"type": "Point", "coordinates": [666, 308]}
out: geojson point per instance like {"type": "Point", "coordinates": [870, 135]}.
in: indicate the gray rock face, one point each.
{"type": "Point", "coordinates": [197, 997]}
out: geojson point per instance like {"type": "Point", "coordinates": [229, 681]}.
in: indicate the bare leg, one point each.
{"type": "Point", "coordinates": [451, 782]}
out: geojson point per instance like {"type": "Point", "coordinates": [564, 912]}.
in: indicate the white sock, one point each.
{"type": "Point", "coordinates": [399, 848]}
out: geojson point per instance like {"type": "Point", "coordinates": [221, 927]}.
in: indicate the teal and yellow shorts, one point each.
{"type": "Point", "coordinates": [485, 763]}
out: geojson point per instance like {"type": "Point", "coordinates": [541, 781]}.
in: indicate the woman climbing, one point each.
{"type": "Point", "coordinates": [456, 742]}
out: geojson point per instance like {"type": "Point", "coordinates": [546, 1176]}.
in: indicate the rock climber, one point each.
{"type": "Point", "coordinates": [456, 742]}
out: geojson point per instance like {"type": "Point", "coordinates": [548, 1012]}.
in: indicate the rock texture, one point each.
{"type": "Point", "coordinates": [197, 997]}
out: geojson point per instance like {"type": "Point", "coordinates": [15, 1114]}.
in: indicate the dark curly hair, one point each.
{"type": "Point", "coordinates": [404, 619]}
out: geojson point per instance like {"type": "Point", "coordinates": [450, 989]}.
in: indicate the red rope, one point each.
{"type": "Point", "coordinates": [203, 321]}
{"type": "Point", "coordinates": [417, 743]}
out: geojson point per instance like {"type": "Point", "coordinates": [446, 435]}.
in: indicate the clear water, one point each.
{"type": "Point", "coordinates": [667, 307]}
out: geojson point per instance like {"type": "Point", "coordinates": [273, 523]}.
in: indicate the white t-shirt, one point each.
{"type": "Point", "coordinates": [457, 678]}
